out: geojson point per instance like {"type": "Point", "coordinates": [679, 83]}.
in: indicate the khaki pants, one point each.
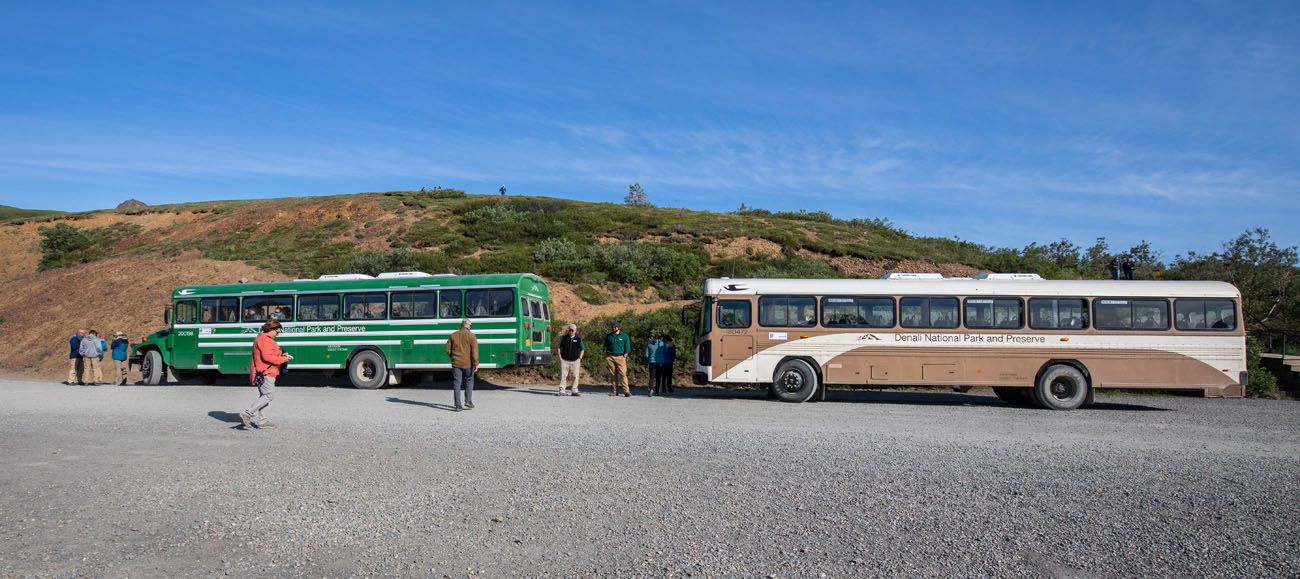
{"type": "Point", "coordinates": [617, 366]}
{"type": "Point", "coordinates": [568, 369]}
{"type": "Point", "coordinates": [93, 369]}
{"type": "Point", "coordinates": [122, 367]}
{"type": "Point", "coordinates": [75, 370]}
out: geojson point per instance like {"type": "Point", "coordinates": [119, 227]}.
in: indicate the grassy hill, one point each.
{"type": "Point", "coordinates": [592, 244]}
{"type": "Point", "coordinates": [11, 214]}
{"type": "Point", "coordinates": [113, 270]}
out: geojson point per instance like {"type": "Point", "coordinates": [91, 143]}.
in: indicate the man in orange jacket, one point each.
{"type": "Point", "coordinates": [267, 360]}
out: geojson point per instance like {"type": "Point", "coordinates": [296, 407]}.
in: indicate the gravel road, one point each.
{"type": "Point", "coordinates": [159, 481]}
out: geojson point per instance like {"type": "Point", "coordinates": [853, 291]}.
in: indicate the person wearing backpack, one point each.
{"type": "Point", "coordinates": [92, 349]}
{"type": "Point", "coordinates": [120, 347]}
{"type": "Point", "coordinates": [268, 358]}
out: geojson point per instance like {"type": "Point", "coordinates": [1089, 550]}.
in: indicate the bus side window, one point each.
{"type": "Point", "coordinates": [449, 304]}
{"type": "Point", "coordinates": [490, 303]}
{"type": "Point", "coordinates": [186, 312]}
{"type": "Point", "coordinates": [1202, 315]}
{"type": "Point", "coordinates": [733, 314]}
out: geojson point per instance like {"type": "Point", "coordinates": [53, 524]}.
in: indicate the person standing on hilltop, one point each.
{"type": "Point", "coordinates": [1114, 267]}
{"type": "Point", "coordinates": [91, 349]}
{"type": "Point", "coordinates": [120, 347]}
{"type": "Point", "coordinates": [1128, 268]}
{"type": "Point", "coordinates": [76, 364]}
{"type": "Point", "coordinates": [462, 348]}
{"type": "Point", "coordinates": [571, 349]}
{"type": "Point", "coordinates": [617, 346]}
{"type": "Point", "coordinates": [268, 359]}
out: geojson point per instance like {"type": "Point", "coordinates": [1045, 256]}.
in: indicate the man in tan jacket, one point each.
{"type": "Point", "coordinates": [462, 348]}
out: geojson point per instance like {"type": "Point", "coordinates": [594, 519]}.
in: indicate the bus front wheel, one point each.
{"type": "Point", "coordinates": [1061, 387]}
{"type": "Point", "coordinates": [368, 370]}
{"type": "Point", "coordinates": [151, 368]}
{"type": "Point", "coordinates": [795, 381]}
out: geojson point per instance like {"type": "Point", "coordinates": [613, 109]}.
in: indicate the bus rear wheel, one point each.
{"type": "Point", "coordinates": [368, 370]}
{"type": "Point", "coordinates": [795, 381]}
{"type": "Point", "coordinates": [1061, 387]}
{"type": "Point", "coordinates": [152, 369]}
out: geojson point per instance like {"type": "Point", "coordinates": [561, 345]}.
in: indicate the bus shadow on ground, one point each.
{"type": "Point", "coordinates": [896, 397]}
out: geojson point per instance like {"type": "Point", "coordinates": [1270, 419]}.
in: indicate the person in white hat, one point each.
{"type": "Point", "coordinates": [571, 349]}
{"type": "Point", "coordinates": [121, 348]}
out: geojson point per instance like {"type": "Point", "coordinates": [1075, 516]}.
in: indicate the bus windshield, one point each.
{"type": "Point", "coordinates": [706, 316]}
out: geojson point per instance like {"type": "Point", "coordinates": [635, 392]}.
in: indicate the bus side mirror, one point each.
{"type": "Point", "coordinates": [687, 313]}
{"type": "Point", "coordinates": [167, 316]}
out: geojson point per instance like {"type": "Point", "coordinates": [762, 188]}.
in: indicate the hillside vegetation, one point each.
{"type": "Point", "coordinates": [11, 214]}
{"type": "Point", "coordinates": [602, 259]}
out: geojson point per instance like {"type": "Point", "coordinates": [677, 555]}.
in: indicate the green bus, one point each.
{"type": "Point", "coordinates": [385, 329]}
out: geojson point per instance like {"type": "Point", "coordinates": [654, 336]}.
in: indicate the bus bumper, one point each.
{"type": "Point", "coordinates": [533, 358]}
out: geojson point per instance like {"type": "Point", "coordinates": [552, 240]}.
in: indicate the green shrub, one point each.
{"type": "Point", "coordinates": [291, 249]}
{"type": "Point", "coordinates": [1263, 384]}
{"type": "Point", "coordinates": [63, 244]}
{"type": "Point", "coordinates": [780, 267]}
{"type": "Point", "coordinates": [642, 263]}
{"type": "Point", "coordinates": [805, 215]}
{"type": "Point", "coordinates": [494, 223]}
{"type": "Point", "coordinates": [590, 295]}
{"type": "Point", "coordinates": [559, 258]}
{"type": "Point", "coordinates": [431, 233]}
{"type": "Point", "coordinates": [445, 193]}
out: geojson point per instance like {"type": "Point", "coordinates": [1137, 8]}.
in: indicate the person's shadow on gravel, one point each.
{"type": "Point", "coordinates": [227, 417]}
{"type": "Point", "coordinates": [416, 403]}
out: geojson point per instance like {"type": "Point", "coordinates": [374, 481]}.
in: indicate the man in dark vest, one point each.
{"type": "Point", "coordinates": [572, 350]}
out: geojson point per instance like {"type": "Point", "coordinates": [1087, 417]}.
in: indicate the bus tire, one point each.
{"type": "Point", "coordinates": [1061, 387]}
{"type": "Point", "coordinates": [368, 370]}
{"type": "Point", "coordinates": [152, 369]}
{"type": "Point", "coordinates": [1015, 396]}
{"type": "Point", "coordinates": [794, 381]}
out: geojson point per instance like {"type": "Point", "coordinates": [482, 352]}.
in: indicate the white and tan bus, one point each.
{"type": "Point", "coordinates": [1032, 340]}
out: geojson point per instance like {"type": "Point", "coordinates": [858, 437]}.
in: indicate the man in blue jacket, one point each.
{"type": "Point", "coordinates": [75, 364]}
{"type": "Point", "coordinates": [654, 359]}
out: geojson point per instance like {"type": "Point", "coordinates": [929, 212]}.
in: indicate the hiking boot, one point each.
{"type": "Point", "coordinates": [627, 394]}
{"type": "Point", "coordinates": [469, 406]}
{"type": "Point", "coordinates": [458, 409]}
{"type": "Point", "coordinates": [267, 424]}
{"type": "Point", "coordinates": [248, 424]}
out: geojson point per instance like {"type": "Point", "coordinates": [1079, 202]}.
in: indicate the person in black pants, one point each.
{"type": "Point", "coordinates": [1128, 268]}
{"type": "Point", "coordinates": [665, 371]}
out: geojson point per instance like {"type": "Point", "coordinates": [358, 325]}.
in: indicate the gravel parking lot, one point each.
{"type": "Point", "coordinates": [159, 481]}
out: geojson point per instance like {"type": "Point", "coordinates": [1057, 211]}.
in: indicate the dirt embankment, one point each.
{"type": "Point", "coordinates": [40, 312]}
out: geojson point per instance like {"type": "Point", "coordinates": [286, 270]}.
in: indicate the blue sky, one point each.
{"type": "Point", "coordinates": [1001, 123]}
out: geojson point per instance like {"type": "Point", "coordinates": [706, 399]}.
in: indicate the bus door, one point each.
{"type": "Point", "coordinates": [185, 341]}
{"type": "Point", "coordinates": [736, 344]}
